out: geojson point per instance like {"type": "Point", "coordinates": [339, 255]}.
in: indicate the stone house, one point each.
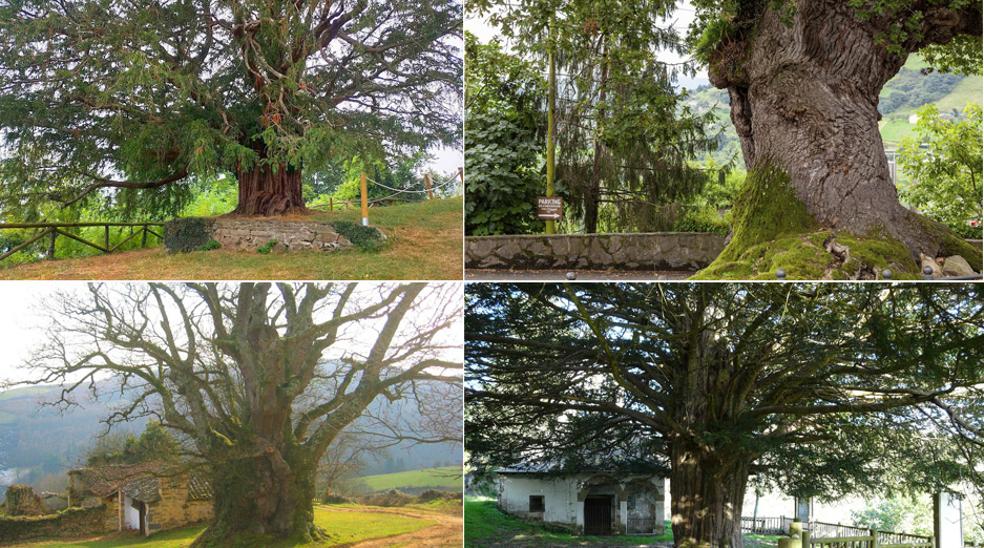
{"type": "Point", "coordinates": [145, 497]}
{"type": "Point", "coordinates": [596, 502]}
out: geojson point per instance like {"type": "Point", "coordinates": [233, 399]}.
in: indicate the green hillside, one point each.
{"type": "Point", "coordinates": [445, 478]}
{"type": "Point", "coordinates": [914, 86]}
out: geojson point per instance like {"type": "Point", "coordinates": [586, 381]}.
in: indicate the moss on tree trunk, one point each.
{"type": "Point", "coordinates": [819, 201]}
{"type": "Point", "coordinates": [262, 498]}
{"type": "Point", "coordinates": [772, 230]}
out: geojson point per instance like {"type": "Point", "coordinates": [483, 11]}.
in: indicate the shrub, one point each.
{"type": "Point", "coordinates": [267, 247]}
{"type": "Point", "coordinates": [210, 245]}
{"type": "Point", "coordinates": [187, 234]}
{"type": "Point", "coordinates": [364, 237]}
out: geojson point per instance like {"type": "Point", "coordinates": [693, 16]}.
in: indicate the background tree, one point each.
{"type": "Point", "coordinates": [260, 378]}
{"type": "Point", "coordinates": [624, 136]}
{"type": "Point", "coordinates": [805, 109]}
{"type": "Point", "coordinates": [945, 166]}
{"type": "Point", "coordinates": [821, 390]}
{"type": "Point", "coordinates": [151, 97]}
{"type": "Point", "coordinates": [505, 126]}
{"type": "Point", "coordinates": [154, 443]}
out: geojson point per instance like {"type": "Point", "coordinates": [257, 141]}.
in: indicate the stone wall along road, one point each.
{"type": "Point", "coordinates": [689, 251]}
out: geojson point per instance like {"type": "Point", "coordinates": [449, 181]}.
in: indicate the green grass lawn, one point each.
{"type": "Point", "coordinates": [486, 525]}
{"type": "Point", "coordinates": [447, 477]}
{"type": "Point", "coordinates": [425, 242]}
{"type": "Point", "coordinates": [344, 526]}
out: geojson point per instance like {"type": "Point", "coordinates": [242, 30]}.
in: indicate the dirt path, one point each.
{"type": "Point", "coordinates": [446, 531]}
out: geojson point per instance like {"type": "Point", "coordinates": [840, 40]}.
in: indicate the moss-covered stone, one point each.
{"type": "Point", "coordinates": [773, 230]}
{"type": "Point", "coordinates": [187, 234]}
{"type": "Point", "coordinates": [951, 244]}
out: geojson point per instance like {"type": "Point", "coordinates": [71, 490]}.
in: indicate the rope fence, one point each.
{"type": "Point", "coordinates": [429, 189]}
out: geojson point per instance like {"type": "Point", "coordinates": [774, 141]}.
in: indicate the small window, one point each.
{"type": "Point", "coordinates": [536, 503]}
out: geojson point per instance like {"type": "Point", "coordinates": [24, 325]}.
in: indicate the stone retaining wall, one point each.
{"type": "Point", "coordinates": [649, 251]}
{"type": "Point", "coordinates": [250, 234]}
{"type": "Point", "coordinates": [69, 523]}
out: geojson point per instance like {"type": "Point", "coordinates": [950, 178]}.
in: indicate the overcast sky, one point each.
{"type": "Point", "coordinates": [24, 321]}
{"type": "Point", "coordinates": [679, 20]}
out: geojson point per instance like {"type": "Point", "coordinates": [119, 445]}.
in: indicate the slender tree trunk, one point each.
{"type": "Point", "coordinates": [269, 495]}
{"type": "Point", "coordinates": [593, 193]}
{"type": "Point", "coordinates": [269, 190]}
{"type": "Point", "coordinates": [707, 487]}
{"type": "Point", "coordinates": [807, 104]}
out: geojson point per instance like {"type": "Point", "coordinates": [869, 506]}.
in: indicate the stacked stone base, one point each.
{"type": "Point", "coordinates": [251, 234]}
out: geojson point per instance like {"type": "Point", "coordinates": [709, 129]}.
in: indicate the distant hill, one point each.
{"type": "Point", "coordinates": [36, 441]}
{"type": "Point", "coordinates": [914, 86]}
{"type": "Point", "coordinates": [444, 478]}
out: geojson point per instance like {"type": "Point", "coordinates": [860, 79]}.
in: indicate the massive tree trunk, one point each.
{"type": "Point", "coordinates": [269, 190]}
{"type": "Point", "coordinates": [804, 98]}
{"type": "Point", "coordinates": [270, 495]}
{"type": "Point", "coordinates": [707, 487]}
{"type": "Point", "coordinates": [707, 477]}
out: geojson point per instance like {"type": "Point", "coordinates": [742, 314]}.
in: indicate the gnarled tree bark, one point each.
{"type": "Point", "coordinates": [269, 190]}
{"type": "Point", "coordinates": [804, 97]}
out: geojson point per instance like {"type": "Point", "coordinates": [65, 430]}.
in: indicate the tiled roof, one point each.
{"type": "Point", "coordinates": [199, 488]}
{"type": "Point", "coordinates": [145, 489]}
{"type": "Point", "coordinates": [105, 480]}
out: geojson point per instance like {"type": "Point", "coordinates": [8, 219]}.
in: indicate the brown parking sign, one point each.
{"type": "Point", "coordinates": [549, 208]}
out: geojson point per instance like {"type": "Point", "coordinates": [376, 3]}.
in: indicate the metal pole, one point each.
{"type": "Point", "coordinates": [551, 100]}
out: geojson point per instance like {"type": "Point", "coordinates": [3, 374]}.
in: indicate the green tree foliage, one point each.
{"type": "Point", "coordinates": [624, 136]}
{"type": "Point", "coordinates": [899, 513]}
{"type": "Point", "coordinates": [144, 100]}
{"type": "Point", "coordinates": [504, 128]}
{"type": "Point", "coordinates": [818, 390]}
{"type": "Point", "coordinates": [944, 165]}
{"type": "Point", "coordinates": [155, 443]}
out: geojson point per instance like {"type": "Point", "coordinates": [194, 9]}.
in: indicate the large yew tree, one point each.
{"type": "Point", "coordinates": [804, 78]}
{"type": "Point", "coordinates": [153, 95]}
{"type": "Point", "coordinates": [818, 390]}
{"type": "Point", "coordinates": [260, 379]}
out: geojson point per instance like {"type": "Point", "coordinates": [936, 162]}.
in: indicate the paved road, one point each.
{"type": "Point", "coordinates": [581, 275]}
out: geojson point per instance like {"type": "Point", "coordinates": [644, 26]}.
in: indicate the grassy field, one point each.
{"type": "Point", "coordinates": [425, 242]}
{"type": "Point", "coordinates": [447, 477]}
{"type": "Point", "coordinates": [345, 527]}
{"type": "Point", "coordinates": [485, 525]}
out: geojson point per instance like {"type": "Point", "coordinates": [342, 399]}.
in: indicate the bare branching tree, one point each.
{"type": "Point", "coordinates": [260, 378]}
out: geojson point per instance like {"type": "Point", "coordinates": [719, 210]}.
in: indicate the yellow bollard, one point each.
{"type": "Point", "coordinates": [365, 201]}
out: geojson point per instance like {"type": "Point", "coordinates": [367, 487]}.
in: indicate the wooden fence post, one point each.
{"type": "Point", "coordinates": [51, 245]}
{"type": "Point", "coordinates": [427, 185]}
{"type": "Point", "coordinates": [365, 200]}
{"type": "Point", "coordinates": [874, 538]}
{"type": "Point", "coordinates": [806, 539]}
{"type": "Point", "coordinates": [331, 204]}
{"type": "Point", "coordinates": [143, 237]}
{"type": "Point", "coordinates": [461, 176]}
{"type": "Point", "coordinates": [107, 239]}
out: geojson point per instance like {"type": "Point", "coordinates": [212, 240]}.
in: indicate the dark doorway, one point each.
{"type": "Point", "coordinates": [598, 515]}
{"type": "Point", "coordinates": [142, 507]}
